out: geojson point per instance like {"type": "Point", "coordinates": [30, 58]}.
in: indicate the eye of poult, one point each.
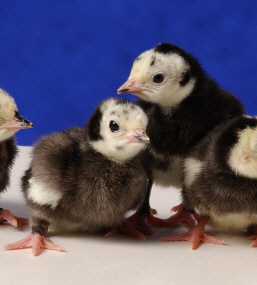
{"type": "Point", "coordinates": [158, 78]}
{"type": "Point", "coordinates": [114, 127]}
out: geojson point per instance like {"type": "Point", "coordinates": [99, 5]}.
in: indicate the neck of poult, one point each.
{"type": "Point", "coordinates": [111, 155]}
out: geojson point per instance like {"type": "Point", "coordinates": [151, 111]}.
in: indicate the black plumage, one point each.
{"type": "Point", "coordinates": [175, 132]}
{"type": "Point", "coordinates": [181, 109]}
{"type": "Point", "coordinates": [8, 152]}
{"type": "Point", "coordinates": [88, 178]}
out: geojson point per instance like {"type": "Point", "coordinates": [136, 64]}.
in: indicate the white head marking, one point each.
{"type": "Point", "coordinates": [159, 76]}
{"type": "Point", "coordinates": [120, 120]}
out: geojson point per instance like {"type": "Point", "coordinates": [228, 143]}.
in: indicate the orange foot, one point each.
{"type": "Point", "coordinates": [36, 241]}
{"type": "Point", "coordinates": [6, 215]}
{"type": "Point", "coordinates": [182, 217]}
{"type": "Point", "coordinates": [196, 236]}
{"type": "Point", "coordinates": [254, 242]}
{"type": "Point", "coordinates": [127, 229]}
{"type": "Point", "coordinates": [144, 223]}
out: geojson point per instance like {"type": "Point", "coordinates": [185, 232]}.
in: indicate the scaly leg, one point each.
{"type": "Point", "coordinates": [36, 239]}
{"type": "Point", "coordinates": [196, 235]}
{"type": "Point", "coordinates": [254, 240]}
{"type": "Point", "coordinates": [144, 217]}
{"type": "Point", "coordinates": [144, 223]}
{"type": "Point", "coordinates": [182, 217]}
{"type": "Point", "coordinates": [127, 229]}
{"type": "Point", "coordinates": [6, 215]}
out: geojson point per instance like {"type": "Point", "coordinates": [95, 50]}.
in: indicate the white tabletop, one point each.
{"type": "Point", "coordinates": [93, 259]}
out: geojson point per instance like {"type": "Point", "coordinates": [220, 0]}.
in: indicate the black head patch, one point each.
{"type": "Point", "coordinates": [93, 126]}
{"type": "Point", "coordinates": [166, 48]}
{"type": "Point", "coordinates": [185, 78]}
{"type": "Point", "coordinates": [195, 69]}
{"type": "Point", "coordinates": [153, 61]}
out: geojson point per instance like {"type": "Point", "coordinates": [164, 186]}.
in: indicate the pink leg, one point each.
{"type": "Point", "coordinates": [36, 241]}
{"type": "Point", "coordinates": [142, 223]}
{"type": "Point", "coordinates": [182, 217]}
{"type": "Point", "coordinates": [127, 229]}
{"type": "Point", "coordinates": [6, 215]}
{"type": "Point", "coordinates": [254, 242]}
{"type": "Point", "coordinates": [196, 235]}
{"type": "Point", "coordinates": [253, 230]}
{"type": "Point", "coordinates": [135, 226]}
{"type": "Point", "coordinates": [160, 223]}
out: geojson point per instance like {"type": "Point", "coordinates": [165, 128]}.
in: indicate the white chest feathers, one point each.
{"type": "Point", "coordinates": [42, 194]}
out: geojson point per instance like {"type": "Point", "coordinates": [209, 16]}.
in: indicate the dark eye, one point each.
{"type": "Point", "coordinates": [158, 78]}
{"type": "Point", "coordinates": [114, 127]}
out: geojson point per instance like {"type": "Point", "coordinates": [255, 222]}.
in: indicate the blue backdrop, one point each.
{"type": "Point", "coordinates": [60, 58]}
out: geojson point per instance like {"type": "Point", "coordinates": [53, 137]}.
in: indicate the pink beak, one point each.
{"type": "Point", "coordinates": [138, 136]}
{"type": "Point", "coordinates": [130, 87]}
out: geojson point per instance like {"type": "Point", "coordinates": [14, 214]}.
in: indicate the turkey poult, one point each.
{"type": "Point", "coordinates": [10, 122]}
{"type": "Point", "coordinates": [88, 178]}
{"type": "Point", "coordinates": [182, 104]}
{"type": "Point", "coordinates": [220, 181]}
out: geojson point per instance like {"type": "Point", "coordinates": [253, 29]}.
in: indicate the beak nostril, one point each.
{"type": "Point", "coordinates": [130, 86]}
{"type": "Point", "coordinates": [138, 131]}
{"type": "Point", "coordinates": [132, 82]}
